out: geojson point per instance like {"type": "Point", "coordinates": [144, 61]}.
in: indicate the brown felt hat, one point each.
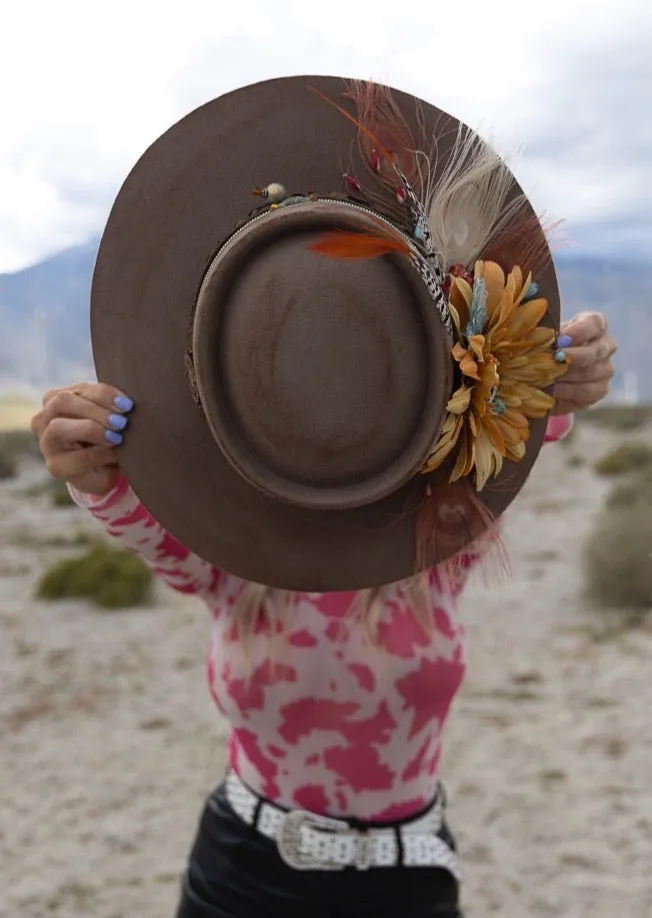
{"type": "Point", "coordinates": [285, 401]}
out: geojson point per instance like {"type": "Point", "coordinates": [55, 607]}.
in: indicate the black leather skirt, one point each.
{"type": "Point", "coordinates": [235, 872]}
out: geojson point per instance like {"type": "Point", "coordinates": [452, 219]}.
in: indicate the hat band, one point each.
{"type": "Point", "coordinates": [421, 262]}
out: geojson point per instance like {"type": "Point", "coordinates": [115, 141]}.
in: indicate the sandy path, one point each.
{"type": "Point", "coordinates": [109, 741]}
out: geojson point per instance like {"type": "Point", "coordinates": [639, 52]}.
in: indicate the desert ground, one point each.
{"type": "Point", "coordinates": [109, 741]}
{"type": "Point", "coordinates": [16, 411]}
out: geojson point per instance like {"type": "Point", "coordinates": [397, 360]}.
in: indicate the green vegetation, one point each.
{"type": "Point", "coordinates": [8, 467]}
{"type": "Point", "coordinates": [619, 418]}
{"type": "Point", "coordinates": [60, 495]}
{"type": "Point", "coordinates": [618, 554]}
{"type": "Point", "coordinates": [627, 457]}
{"type": "Point", "coordinates": [56, 490]}
{"type": "Point", "coordinates": [16, 444]}
{"type": "Point", "coordinates": [634, 489]}
{"type": "Point", "coordinates": [618, 557]}
{"type": "Point", "coordinates": [111, 578]}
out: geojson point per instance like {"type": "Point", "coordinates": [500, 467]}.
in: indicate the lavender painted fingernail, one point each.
{"type": "Point", "coordinates": [118, 421]}
{"type": "Point", "coordinates": [123, 403]}
{"type": "Point", "coordinates": [564, 341]}
{"type": "Point", "coordinates": [115, 439]}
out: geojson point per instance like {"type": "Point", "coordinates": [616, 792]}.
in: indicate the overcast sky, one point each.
{"type": "Point", "coordinates": [85, 87]}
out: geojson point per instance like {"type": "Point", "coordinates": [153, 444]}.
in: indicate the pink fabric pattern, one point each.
{"type": "Point", "coordinates": [333, 724]}
{"type": "Point", "coordinates": [559, 426]}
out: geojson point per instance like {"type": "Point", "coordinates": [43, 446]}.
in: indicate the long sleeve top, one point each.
{"type": "Point", "coordinates": [332, 722]}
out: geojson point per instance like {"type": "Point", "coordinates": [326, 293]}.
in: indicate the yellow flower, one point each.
{"type": "Point", "coordinates": [505, 360]}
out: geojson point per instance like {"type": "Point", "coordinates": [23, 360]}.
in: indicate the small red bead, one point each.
{"type": "Point", "coordinates": [460, 271]}
{"type": "Point", "coordinates": [353, 183]}
{"type": "Point", "coordinates": [374, 161]}
{"type": "Point", "coordinates": [401, 195]}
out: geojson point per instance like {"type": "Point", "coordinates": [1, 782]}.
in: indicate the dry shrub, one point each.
{"type": "Point", "coordinates": [8, 467]}
{"type": "Point", "coordinates": [60, 495]}
{"type": "Point", "coordinates": [635, 489]}
{"type": "Point", "coordinates": [619, 418]}
{"type": "Point", "coordinates": [111, 578]}
{"type": "Point", "coordinates": [19, 444]}
{"type": "Point", "coordinates": [618, 554]}
{"type": "Point", "coordinates": [625, 458]}
{"type": "Point", "coordinates": [57, 492]}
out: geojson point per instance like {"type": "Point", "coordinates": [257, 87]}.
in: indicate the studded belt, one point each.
{"type": "Point", "coordinates": [306, 841]}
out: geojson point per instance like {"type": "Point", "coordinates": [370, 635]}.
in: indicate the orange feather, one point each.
{"type": "Point", "coordinates": [379, 146]}
{"type": "Point", "coordinates": [341, 244]}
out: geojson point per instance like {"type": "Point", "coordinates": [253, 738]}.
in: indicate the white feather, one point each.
{"type": "Point", "coordinates": [466, 205]}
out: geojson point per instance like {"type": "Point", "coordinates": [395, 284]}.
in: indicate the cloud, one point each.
{"type": "Point", "coordinates": [592, 145]}
{"type": "Point", "coordinates": [90, 90]}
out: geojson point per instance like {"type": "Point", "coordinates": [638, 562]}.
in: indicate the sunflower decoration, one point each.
{"type": "Point", "coordinates": [505, 360]}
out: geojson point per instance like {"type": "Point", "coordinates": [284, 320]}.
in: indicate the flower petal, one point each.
{"type": "Point", "coordinates": [494, 432]}
{"type": "Point", "coordinates": [526, 318]}
{"type": "Point", "coordinates": [456, 317]}
{"type": "Point", "coordinates": [460, 400]}
{"type": "Point", "coordinates": [511, 436]}
{"type": "Point", "coordinates": [503, 315]}
{"type": "Point", "coordinates": [486, 459]}
{"type": "Point", "coordinates": [516, 453]}
{"type": "Point", "coordinates": [477, 344]}
{"type": "Point", "coordinates": [525, 286]}
{"type": "Point", "coordinates": [495, 280]}
{"type": "Point", "coordinates": [469, 367]}
{"type": "Point", "coordinates": [447, 440]}
{"type": "Point", "coordinates": [460, 296]}
{"type": "Point", "coordinates": [464, 461]}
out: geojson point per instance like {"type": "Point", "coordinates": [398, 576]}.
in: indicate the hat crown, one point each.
{"type": "Point", "coordinates": [324, 382]}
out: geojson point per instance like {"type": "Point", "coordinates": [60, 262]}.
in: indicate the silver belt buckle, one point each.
{"type": "Point", "coordinates": [289, 841]}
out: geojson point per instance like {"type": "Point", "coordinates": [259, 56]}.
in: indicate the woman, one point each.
{"type": "Point", "coordinates": [326, 725]}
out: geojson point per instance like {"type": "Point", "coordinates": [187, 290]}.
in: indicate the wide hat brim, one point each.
{"type": "Point", "coordinates": [179, 203]}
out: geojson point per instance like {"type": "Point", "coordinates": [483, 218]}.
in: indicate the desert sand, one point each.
{"type": "Point", "coordinates": [16, 411]}
{"type": "Point", "coordinates": [109, 740]}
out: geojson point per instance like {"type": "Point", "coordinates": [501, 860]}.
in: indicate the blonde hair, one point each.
{"type": "Point", "coordinates": [277, 606]}
{"type": "Point", "coordinates": [486, 556]}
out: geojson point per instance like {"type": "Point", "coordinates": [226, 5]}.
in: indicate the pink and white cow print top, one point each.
{"type": "Point", "coordinates": [332, 724]}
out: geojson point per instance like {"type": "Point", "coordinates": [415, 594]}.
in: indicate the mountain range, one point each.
{"type": "Point", "coordinates": [45, 336]}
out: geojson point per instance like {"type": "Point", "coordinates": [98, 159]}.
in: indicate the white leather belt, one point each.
{"type": "Point", "coordinates": [306, 841]}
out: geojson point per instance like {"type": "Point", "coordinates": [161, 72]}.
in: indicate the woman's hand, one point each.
{"type": "Point", "coordinates": [588, 377]}
{"type": "Point", "coordinates": [78, 429]}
